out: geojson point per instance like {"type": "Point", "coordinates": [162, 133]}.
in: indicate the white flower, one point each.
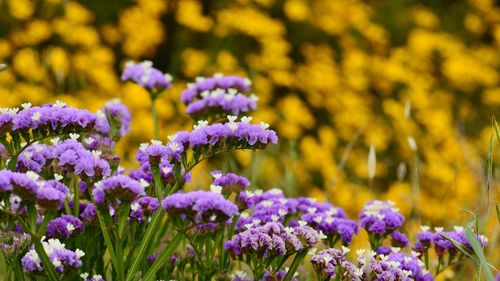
{"type": "Point", "coordinates": [36, 116]}
{"type": "Point", "coordinates": [79, 253]}
{"type": "Point", "coordinates": [246, 119]}
{"type": "Point", "coordinates": [216, 188]}
{"type": "Point", "coordinates": [74, 136]}
{"type": "Point", "coordinates": [134, 206]}
{"type": "Point", "coordinates": [26, 105]}
{"type": "Point", "coordinates": [264, 125]}
{"type": "Point", "coordinates": [201, 124]}
{"type": "Point", "coordinates": [232, 118]}
{"type": "Point", "coordinates": [70, 227]}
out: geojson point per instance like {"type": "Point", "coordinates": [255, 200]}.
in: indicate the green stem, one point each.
{"type": "Point", "coordinates": [18, 271]}
{"type": "Point", "coordinates": [76, 200]}
{"type": "Point", "coordinates": [47, 265]}
{"type": "Point", "coordinates": [156, 130]}
{"type": "Point", "coordinates": [295, 264]}
{"type": "Point", "coordinates": [109, 245]}
{"type": "Point", "coordinates": [144, 245]}
{"type": "Point", "coordinates": [162, 259]}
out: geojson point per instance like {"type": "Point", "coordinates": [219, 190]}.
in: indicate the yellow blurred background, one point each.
{"type": "Point", "coordinates": [417, 81]}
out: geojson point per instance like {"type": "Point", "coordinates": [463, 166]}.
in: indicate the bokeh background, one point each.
{"type": "Point", "coordinates": [417, 82]}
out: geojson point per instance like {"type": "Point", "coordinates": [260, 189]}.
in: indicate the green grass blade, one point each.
{"type": "Point", "coordinates": [498, 213]}
{"type": "Point", "coordinates": [162, 259]}
{"type": "Point", "coordinates": [478, 250]}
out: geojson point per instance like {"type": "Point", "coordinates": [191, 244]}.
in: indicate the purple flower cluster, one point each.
{"type": "Point", "coordinates": [241, 133]}
{"type": "Point", "coordinates": [62, 259]}
{"type": "Point", "coordinates": [72, 155]}
{"type": "Point", "coordinates": [29, 187]}
{"type": "Point", "coordinates": [270, 240]}
{"type": "Point", "coordinates": [146, 75]}
{"type": "Point", "coordinates": [441, 242]}
{"type": "Point", "coordinates": [64, 226]}
{"type": "Point", "coordinates": [380, 217]}
{"type": "Point", "coordinates": [222, 102]}
{"type": "Point", "coordinates": [199, 207]}
{"type": "Point", "coordinates": [229, 182]}
{"type": "Point", "coordinates": [33, 158]}
{"type": "Point", "coordinates": [119, 187]}
{"type": "Point", "coordinates": [57, 118]}
{"type": "Point", "coordinates": [119, 114]}
{"type": "Point", "coordinates": [143, 208]}
{"type": "Point", "coordinates": [218, 81]}
{"type": "Point", "coordinates": [331, 263]}
{"type": "Point", "coordinates": [12, 243]}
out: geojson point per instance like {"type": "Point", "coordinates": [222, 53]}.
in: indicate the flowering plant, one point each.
{"type": "Point", "coordinates": [69, 210]}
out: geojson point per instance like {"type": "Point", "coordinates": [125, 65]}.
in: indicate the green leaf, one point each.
{"type": "Point", "coordinates": [478, 250]}
{"type": "Point", "coordinates": [461, 247]}
{"type": "Point", "coordinates": [497, 129]}
{"type": "Point", "coordinates": [489, 162]}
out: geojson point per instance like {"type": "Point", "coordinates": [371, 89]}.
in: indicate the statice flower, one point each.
{"type": "Point", "coordinates": [220, 102]}
{"type": "Point", "coordinates": [198, 207]}
{"type": "Point", "coordinates": [270, 240]}
{"type": "Point", "coordinates": [62, 259]}
{"type": "Point", "coordinates": [399, 239]}
{"type": "Point", "coordinates": [329, 220]}
{"type": "Point", "coordinates": [443, 245]}
{"type": "Point", "coordinates": [142, 208]}
{"type": "Point", "coordinates": [118, 114]}
{"type": "Point", "coordinates": [25, 185]}
{"type": "Point", "coordinates": [72, 155]}
{"type": "Point", "coordinates": [97, 277]}
{"type": "Point", "coordinates": [278, 276]}
{"type": "Point", "coordinates": [411, 265]}
{"type": "Point", "coordinates": [332, 263]}
{"type": "Point", "coordinates": [117, 187]}
{"type": "Point", "coordinates": [63, 227]}
{"type": "Point", "coordinates": [146, 75]}
{"type": "Point", "coordinates": [33, 158]}
{"type": "Point", "coordinates": [7, 116]}
{"type": "Point", "coordinates": [14, 243]}
{"type": "Point", "coordinates": [5, 181]}
{"type": "Point", "coordinates": [233, 134]}
{"type": "Point", "coordinates": [218, 81]}
{"type": "Point", "coordinates": [56, 118]}
{"type": "Point", "coordinates": [230, 182]}
{"type": "Point", "coordinates": [88, 213]}
{"type": "Point", "coordinates": [51, 194]}
{"type": "Point", "coordinates": [380, 218]}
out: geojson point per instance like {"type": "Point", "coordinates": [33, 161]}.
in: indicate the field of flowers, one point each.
{"type": "Point", "coordinates": [342, 139]}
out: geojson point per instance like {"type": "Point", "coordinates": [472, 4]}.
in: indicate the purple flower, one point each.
{"type": "Point", "coordinates": [61, 258]}
{"type": "Point", "coordinates": [26, 185]}
{"type": "Point", "coordinates": [199, 206]}
{"type": "Point", "coordinates": [33, 158]}
{"type": "Point", "coordinates": [5, 181]}
{"type": "Point", "coordinates": [63, 227]}
{"type": "Point", "coordinates": [56, 117]}
{"type": "Point", "coordinates": [217, 81]}
{"type": "Point", "coordinates": [146, 75]}
{"type": "Point", "coordinates": [380, 217]}
{"type": "Point", "coordinates": [52, 194]}
{"type": "Point", "coordinates": [73, 155]}
{"type": "Point", "coordinates": [327, 263]}
{"type": "Point", "coordinates": [119, 113]}
{"type": "Point", "coordinates": [117, 187]}
{"type": "Point", "coordinates": [230, 182]}
{"type": "Point", "coordinates": [88, 213]}
{"type": "Point", "coordinates": [399, 239]}
{"type": "Point", "coordinates": [143, 207]}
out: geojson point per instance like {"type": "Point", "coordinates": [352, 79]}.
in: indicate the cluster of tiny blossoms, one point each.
{"type": "Point", "coordinates": [62, 182]}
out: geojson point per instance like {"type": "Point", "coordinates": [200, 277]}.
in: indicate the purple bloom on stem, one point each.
{"type": "Point", "coordinates": [117, 187]}
{"type": "Point", "coordinates": [64, 226]}
{"type": "Point", "coordinates": [119, 112]}
{"type": "Point", "coordinates": [146, 75]}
